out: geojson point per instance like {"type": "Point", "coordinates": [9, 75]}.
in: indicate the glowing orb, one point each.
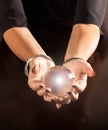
{"type": "Point", "coordinates": [59, 79]}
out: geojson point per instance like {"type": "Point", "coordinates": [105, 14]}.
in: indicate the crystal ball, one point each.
{"type": "Point", "coordinates": [59, 79]}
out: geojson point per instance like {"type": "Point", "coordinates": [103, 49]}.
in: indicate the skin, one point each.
{"type": "Point", "coordinates": [82, 43]}
{"type": "Point", "coordinates": [21, 41]}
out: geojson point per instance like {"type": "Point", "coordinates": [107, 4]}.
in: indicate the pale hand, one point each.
{"type": "Point", "coordinates": [82, 70]}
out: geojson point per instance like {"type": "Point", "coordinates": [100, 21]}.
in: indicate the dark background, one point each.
{"type": "Point", "coordinates": [23, 109]}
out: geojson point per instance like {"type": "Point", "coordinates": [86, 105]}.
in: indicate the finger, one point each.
{"type": "Point", "coordinates": [43, 91]}
{"type": "Point", "coordinates": [35, 77]}
{"type": "Point", "coordinates": [67, 101]}
{"type": "Point", "coordinates": [37, 69]}
{"type": "Point", "coordinates": [40, 92]}
{"type": "Point", "coordinates": [35, 74]}
{"type": "Point", "coordinates": [63, 100]}
{"type": "Point", "coordinates": [34, 68]}
{"type": "Point", "coordinates": [48, 98]}
{"type": "Point", "coordinates": [58, 106]}
{"type": "Point", "coordinates": [78, 87]}
{"type": "Point", "coordinates": [34, 83]}
{"type": "Point", "coordinates": [80, 84]}
{"type": "Point", "coordinates": [59, 100]}
{"type": "Point", "coordinates": [73, 96]}
{"type": "Point", "coordinates": [87, 69]}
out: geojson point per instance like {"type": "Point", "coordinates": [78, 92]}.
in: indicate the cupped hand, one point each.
{"type": "Point", "coordinates": [82, 70]}
{"type": "Point", "coordinates": [38, 67]}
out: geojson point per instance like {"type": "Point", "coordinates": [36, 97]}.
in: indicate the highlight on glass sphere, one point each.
{"type": "Point", "coordinates": [59, 79]}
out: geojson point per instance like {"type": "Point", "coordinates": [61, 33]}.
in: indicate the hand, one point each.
{"type": "Point", "coordinates": [38, 67]}
{"type": "Point", "coordinates": [82, 70]}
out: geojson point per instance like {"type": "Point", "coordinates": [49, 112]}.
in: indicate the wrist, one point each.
{"type": "Point", "coordinates": [73, 58]}
{"type": "Point", "coordinates": [26, 69]}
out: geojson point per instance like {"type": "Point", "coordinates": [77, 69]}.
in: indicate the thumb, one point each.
{"type": "Point", "coordinates": [87, 69]}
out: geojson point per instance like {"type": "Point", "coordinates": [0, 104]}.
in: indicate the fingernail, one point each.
{"type": "Point", "coordinates": [74, 86]}
{"type": "Point", "coordinates": [48, 90]}
{"type": "Point", "coordinates": [69, 93]}
{"type": "Point", "coordinates": [52, 100]}
{"type": "Point", "coordinates": [41, 86]}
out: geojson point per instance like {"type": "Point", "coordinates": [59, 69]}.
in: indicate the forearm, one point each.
{"type": "Point", "coordinates": [83, 41]}
{"type": "Point", "coordinates": [22, 43]}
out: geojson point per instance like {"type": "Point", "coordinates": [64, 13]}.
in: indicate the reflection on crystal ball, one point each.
{"type": "Point", "coordinates": [59, 79]}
